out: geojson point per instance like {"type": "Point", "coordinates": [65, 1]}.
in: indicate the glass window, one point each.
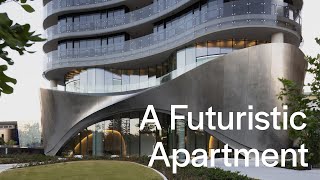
{"type": "Point", "coordinates": [125, 80]}
{"type": "Point", "coordinates": [200, 140]}
{"type": "Point", "coordinates": [69, 24]}
{"type": "Point", "coordinates": [251, 43]}
{"type": "Point", "coordinates": [133, 144]}
{"type": "Point", "coordinates": [119, 42]}
{"type": "Point", "coordinates": [90, 22]}
{"type": "Point", "coordinates": [84, 82]}
{"type": "Point", "coordinates": [69, 49]}
{"type": "Point", "coordinates": [76, 23]}
{"type": "Point", "coordinates": [117, 139]}
{"type": "Point", "coordinates": [91, 80]}
{"type": "Point", "coordinates": [110, 19]}
{"type": "Point", "coordinates": [108, 81]}
{"type": "Point", "coordinates": [83, 22]}
{"type": "Point", "coordinates": [62, 48]}
{"type": "Point", "coordinates": [97, 21]}
{"type": "Point", "coordinates": [91, 47]}
{"type": "Point", "coordinates": [98, 139]}
{"type": "Point", "coordinates": [213, 48]}
{"type": "Point", "coordinates": [76, 47]}
{"type": "Point", "coordinates": [116, 80]}
{"type": "Point", "coordinates": [110, 45]}
{"type": "Point", "coordinates": [180, 132]}
{"type": "Point", "coordinates": [190, 55]}
{"type": "Point", "coordinates": [226, 46]}
{"type": "Point", "coordinates": [181, 61]}
{"type": "Point", "coordinates": [148, 138]}
{"type": "Point", "coordinates": [191, 140]}
{"type": "Point", "coordinates": [238, 44]}
{"type": "Point", "coordinates": [143, 78]}
{"type": "Point", "coordinates": [152, 76]}
{"type": "Point", "coordinates": [201, 49]}
{"type": "Point", "coordinates": [159, 72]}
{"type": "Point", "coordinates": [108, 137]}
{"type": "Point", "coordinates": [97, 47]}
{"type": "Point", "coordinates": [83, 48]}
{"type": "Point", "coordinates": [134, 79]}
{"type": "Point", "coordinates": [100, 81]}
{"type": "Point", "coordinates": [63, 25]}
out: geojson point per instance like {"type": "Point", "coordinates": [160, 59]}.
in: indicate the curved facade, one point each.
{"type": "Point", "coordinates": [115, 59]}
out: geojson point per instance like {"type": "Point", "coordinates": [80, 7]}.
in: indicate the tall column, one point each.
{"type": "Point", "coordinates": [180, 130]}
{"type": "Point", "coordinates": [53, 84]}
{"type": "Point", "coordinates": [277, 38]}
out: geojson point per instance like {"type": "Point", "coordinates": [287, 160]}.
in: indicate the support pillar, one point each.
{"type": "Point", "coordinates": [277, 38]}
{"type": "Point", "coordinates": [53, 84]}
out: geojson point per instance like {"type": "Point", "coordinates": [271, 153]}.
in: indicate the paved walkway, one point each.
{"type": "Point", "coordinates": [4, 167]}
{"type": "Point", "coordinates": [266, 173]}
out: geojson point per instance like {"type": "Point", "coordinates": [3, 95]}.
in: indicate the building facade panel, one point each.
{"type": "Point", "coordinates": [228, 83]}
{"type": "Point", "coordinates": [115, 57]}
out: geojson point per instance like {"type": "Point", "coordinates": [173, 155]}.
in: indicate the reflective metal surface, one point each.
{"type": "Point", "coordinates": [229, 83]}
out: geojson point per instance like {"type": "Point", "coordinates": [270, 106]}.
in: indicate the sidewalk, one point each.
{"type": "Point", "coordinates": [266, 173]}
{"type": "Point", "coordinates": [4, 167]}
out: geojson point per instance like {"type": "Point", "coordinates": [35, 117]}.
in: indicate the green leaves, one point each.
{"type": "Point", "coordinates": [308, 104]}
{"type": "Point", "coordinates": [5, 80]}
{"type": "Point", "coordinates": [27, 8]}
{"type": "Point", "coordinates": [16, 37]}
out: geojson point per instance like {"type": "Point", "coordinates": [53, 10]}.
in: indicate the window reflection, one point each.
{"type": "Point", "coordinates": [120, 136]}
{"type": "Point", "coordinates": [104, 80]}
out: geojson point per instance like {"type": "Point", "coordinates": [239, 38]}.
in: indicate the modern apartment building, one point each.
{"type": "Point", "coordinates": [116, 57]}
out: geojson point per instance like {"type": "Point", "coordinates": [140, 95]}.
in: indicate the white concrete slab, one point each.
{"type": "Point", "coordinates": [4, 167]}
{"type": "Point", "coordinates": [266, 173]}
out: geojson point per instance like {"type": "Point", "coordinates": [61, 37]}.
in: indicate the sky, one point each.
{"type": "Point", "coordinates": [24, 104]}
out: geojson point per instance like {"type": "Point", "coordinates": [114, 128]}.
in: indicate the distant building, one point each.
{"type": "Point", "coordinates": [9, 131]}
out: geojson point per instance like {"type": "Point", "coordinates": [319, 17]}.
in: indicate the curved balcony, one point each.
{"type": "Point", "coordinates": [55, 8]}
{"type": "Point", "coordinates": [133, 18]}
{"type": "Point", "coordinates": [199, 26]}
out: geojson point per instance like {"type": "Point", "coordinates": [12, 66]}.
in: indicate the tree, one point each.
{"type": "Point", "coordinates": [11, 142]}
{"type": "Point", "coordinates": [2, 141]}
{"type": "Point", "coordinates": [309, 104]}
{"type": "Point", "coordinates": [17, 38]}
{"type": "Point", "coordinates": [30, 135]}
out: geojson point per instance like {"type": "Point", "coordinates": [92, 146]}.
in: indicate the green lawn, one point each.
{"type": "Point", "coordinates": [82, 170]}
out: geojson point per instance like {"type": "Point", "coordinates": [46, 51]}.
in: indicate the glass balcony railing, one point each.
{"type": "Point", "coordinates": [56, 5]}
{"type": "Point", "coordinates": [127, 18]}
{"type": "Point", "coordinates": [185, 30]}
{"type": "Point", "coordinates": [230, 9]}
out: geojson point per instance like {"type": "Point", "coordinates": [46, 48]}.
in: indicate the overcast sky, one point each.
{"type": "Point", "coordinates": [24, 105]}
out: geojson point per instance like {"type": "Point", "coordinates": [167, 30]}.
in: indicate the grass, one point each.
{"type": "Point", "coordinates": [93, 170]}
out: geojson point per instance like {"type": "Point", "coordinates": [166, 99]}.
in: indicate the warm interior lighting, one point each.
{"type": "Point", "coordinates": [111, 137]}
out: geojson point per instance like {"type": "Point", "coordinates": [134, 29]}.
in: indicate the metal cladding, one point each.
{"type": "Point", "coordinates": [229, 83]}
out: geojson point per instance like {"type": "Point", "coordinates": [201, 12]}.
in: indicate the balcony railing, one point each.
{"type": "Point", "coordinates": [56, 5]}
{"type": "Point", "coordinates": [187, 29]}
{"type": "Point", "coordinates": [127, 18]}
